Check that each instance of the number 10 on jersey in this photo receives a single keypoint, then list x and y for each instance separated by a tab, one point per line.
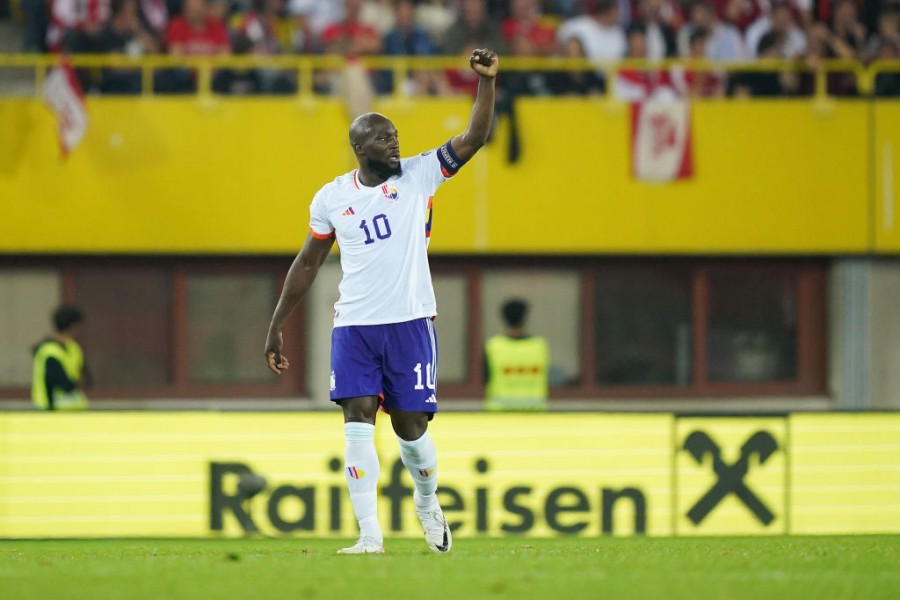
429	377
382	228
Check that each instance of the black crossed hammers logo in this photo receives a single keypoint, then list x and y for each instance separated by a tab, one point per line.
730	478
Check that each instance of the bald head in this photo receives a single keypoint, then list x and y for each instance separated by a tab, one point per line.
363	126
376	144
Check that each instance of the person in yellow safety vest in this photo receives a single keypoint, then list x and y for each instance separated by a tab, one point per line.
516	364
59	375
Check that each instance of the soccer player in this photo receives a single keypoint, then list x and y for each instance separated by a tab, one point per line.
383	342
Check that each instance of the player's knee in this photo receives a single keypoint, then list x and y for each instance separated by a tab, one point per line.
409	426
359	410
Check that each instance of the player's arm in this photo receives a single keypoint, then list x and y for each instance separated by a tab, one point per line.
300	277
466	144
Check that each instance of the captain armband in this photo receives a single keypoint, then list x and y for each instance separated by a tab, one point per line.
450	163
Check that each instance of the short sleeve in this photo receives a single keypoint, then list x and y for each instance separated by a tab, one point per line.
436	166
320	225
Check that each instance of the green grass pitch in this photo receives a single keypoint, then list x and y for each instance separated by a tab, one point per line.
864	567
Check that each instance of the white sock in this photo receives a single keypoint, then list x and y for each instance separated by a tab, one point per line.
420	459
361	468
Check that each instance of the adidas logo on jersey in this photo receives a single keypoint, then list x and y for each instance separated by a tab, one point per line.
348	212
431	400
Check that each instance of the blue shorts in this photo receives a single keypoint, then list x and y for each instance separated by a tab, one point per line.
398	361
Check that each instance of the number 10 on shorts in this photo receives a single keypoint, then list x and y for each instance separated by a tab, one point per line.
429	376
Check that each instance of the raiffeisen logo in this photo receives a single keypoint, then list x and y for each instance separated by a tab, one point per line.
320	506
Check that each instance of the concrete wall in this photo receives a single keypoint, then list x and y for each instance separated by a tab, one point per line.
884	356
864	333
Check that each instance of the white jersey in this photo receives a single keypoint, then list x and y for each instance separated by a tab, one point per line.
382	233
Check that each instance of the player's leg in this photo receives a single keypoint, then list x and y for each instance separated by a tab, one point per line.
418	453
409	392
361	468
419	456
355	382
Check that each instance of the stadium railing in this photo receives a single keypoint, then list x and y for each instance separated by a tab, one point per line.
306	65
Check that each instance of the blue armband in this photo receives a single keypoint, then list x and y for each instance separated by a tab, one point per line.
450	163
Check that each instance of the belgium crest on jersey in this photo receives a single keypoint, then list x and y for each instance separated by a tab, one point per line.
390	192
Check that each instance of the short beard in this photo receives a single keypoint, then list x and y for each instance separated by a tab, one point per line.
385	171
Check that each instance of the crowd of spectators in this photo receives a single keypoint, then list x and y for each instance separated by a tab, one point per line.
736	31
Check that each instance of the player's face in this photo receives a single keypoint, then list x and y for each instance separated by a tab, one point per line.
383	148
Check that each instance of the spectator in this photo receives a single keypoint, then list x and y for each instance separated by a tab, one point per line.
350	36
74	23
660	18
698	83
885	42
258	27
780	20
580	82
378	14
35	14
564	8
123	34
599	32
724	42
408	39
526	35
848	30
517	364
473	29
257	33
221	10
760	84
436	17
637	85
823	44
318	13
154	17
60	376
740	13
303	38
527	26
196	32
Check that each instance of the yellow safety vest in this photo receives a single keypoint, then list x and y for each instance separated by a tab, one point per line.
71	358
518	370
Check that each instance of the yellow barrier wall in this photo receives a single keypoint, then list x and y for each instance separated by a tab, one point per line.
178	475
887	176
770	177
184	175
845	473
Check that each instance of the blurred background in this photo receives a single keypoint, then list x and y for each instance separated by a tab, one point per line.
761	275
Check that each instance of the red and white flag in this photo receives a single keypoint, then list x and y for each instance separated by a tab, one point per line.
661	140
63	95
